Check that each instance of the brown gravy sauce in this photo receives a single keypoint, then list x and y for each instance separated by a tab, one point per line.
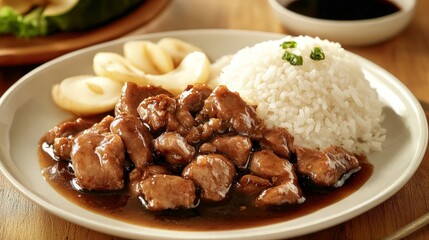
225	216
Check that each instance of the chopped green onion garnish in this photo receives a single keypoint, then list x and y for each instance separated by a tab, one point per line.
288	44
293	59
317	54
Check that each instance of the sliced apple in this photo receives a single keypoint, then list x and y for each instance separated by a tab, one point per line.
177	48
194	68
86	95
148	57
116	67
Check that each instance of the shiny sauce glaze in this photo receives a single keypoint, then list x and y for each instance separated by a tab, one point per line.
343	9
230	214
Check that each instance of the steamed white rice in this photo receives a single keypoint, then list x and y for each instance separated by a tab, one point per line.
320	102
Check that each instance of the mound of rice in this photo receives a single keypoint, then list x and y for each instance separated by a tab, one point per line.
320	102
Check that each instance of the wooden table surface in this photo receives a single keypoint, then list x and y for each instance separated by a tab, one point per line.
405	56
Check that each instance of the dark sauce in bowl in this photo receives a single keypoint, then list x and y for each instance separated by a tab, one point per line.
235	213
343	9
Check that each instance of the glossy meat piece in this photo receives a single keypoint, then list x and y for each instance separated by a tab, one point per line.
132	95
327	168
62	147
180	121
204	131
155	111
61	137
280	171
68	129
236	147
231	109
174	148
280	141
266	164
286	193
206	148
98	161
162	192
213	173
162	112
101	127
194	96
136	137
139	174
251	184
154	169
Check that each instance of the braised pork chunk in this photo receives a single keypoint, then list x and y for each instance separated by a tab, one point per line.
280	141
98	161
281	173
132	95
236	147
327	168
174	148
61	137
156	111
161	192
231	109
136	137
213	173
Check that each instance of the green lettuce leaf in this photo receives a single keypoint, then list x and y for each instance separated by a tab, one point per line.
9	20
30	25
33	24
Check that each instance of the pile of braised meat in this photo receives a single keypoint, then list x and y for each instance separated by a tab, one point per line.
175	152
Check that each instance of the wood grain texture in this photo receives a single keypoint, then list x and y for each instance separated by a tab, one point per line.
406	56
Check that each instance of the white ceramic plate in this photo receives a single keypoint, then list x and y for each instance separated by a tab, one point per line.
27	112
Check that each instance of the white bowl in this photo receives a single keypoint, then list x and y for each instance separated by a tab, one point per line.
351	33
